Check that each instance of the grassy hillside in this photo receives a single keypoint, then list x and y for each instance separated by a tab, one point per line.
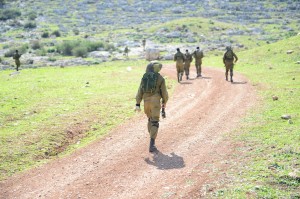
48	111
269	163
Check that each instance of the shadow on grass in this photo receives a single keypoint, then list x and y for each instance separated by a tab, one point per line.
165	162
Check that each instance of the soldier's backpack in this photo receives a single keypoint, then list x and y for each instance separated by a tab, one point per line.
149	81
199	54
229	54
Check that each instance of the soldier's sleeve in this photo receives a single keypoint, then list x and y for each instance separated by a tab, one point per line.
224	58
164	92
139	95
175	57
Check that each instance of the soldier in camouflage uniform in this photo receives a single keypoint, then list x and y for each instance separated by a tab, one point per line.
126	51
187	63
152	102
198	55
179	58
16	57
144	44
229	59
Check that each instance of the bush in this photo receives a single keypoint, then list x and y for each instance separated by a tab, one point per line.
9	14
41	52
22	49
80	51
56	33
45	35
66	47
30	25
35	45
32	16
76	31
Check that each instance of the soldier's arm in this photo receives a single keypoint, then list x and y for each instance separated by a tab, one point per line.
139	95
174	57
236	58
164	92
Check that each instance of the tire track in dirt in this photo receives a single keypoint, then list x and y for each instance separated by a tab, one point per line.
191	143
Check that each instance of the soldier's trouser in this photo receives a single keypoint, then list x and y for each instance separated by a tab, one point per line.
198	67
152	110
179	67
18	63
229	67
187	68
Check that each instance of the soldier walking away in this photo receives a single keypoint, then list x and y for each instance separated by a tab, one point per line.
126	51
179	58
16	57
198	55
187	63
144	44
154	92
229	59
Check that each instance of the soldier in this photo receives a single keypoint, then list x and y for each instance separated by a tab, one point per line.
152	89
179	58
228	59
187	63
126	51
16	57
198	55
144	44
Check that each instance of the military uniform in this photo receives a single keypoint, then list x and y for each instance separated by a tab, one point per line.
228	59
179	58
126	50
198	55
16	57
187	63
144	44
152	105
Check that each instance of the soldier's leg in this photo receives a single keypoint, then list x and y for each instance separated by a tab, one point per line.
178	72
226	73
155	112
200	70
231	72
181	71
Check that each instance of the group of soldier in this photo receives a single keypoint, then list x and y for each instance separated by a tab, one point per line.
156	98
183	62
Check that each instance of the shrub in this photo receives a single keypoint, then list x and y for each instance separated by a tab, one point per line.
76	31
41	52
45	34
22	49
30	25
56	33
35	45
66	47
9	14
80	51
32	16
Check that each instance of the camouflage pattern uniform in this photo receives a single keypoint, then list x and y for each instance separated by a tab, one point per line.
152	103
179	58
198	55
228	59
126	50
187	63
16	57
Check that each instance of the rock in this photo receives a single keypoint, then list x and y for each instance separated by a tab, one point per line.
286	117
168	57
29	61
152	54
274	98
289	52
290	121
298	62
99	54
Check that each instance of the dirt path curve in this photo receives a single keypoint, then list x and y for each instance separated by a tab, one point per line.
193	150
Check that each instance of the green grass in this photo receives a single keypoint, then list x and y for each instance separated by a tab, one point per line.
271	151
50	111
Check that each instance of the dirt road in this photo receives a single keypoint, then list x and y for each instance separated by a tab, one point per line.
192	143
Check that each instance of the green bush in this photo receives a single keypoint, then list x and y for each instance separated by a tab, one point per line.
66	47
32	16
35	45
56	33
80	51
9	14
30	25
22	49
76	31
41	52
45	34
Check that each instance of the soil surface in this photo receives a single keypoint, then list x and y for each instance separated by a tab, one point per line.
193	149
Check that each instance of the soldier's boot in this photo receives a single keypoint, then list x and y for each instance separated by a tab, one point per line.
187	77
231	79
152	147
226	76
180	76
231	74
